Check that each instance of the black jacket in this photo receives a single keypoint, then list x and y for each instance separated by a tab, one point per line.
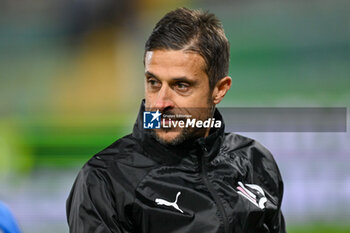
222	183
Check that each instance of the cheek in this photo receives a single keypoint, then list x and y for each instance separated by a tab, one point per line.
203	98
148	100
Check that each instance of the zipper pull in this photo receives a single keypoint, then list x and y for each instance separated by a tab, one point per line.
204	148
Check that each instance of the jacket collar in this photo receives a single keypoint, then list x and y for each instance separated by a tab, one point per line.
205	146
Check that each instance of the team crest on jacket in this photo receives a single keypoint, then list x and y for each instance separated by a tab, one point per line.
254	193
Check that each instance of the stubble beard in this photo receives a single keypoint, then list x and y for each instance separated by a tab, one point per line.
186	134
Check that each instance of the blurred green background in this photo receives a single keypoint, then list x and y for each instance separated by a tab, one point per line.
71	81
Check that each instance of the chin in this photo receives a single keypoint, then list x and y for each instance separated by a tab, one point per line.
174	137
168	137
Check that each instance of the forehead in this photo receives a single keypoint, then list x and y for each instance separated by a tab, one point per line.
174	62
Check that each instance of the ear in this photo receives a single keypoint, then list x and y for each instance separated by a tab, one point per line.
221	88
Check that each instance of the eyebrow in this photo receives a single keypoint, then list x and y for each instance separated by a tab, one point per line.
176	79
147	73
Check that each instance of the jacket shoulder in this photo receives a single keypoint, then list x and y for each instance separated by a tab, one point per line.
109	178
247	147
262	166
127	151
120	164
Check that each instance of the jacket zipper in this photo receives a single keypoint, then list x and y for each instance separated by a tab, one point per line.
212	191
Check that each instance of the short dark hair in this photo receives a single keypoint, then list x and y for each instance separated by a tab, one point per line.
194	30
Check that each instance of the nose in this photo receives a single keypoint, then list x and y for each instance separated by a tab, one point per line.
164	99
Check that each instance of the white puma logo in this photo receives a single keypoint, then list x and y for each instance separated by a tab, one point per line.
167	203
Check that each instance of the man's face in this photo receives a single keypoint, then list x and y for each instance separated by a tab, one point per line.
176	83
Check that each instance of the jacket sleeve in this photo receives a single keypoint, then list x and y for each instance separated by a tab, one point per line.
275	220
91	205
266	172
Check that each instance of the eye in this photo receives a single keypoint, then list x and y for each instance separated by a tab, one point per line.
153	83
182	86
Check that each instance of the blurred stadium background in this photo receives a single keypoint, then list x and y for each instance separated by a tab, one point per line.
71	81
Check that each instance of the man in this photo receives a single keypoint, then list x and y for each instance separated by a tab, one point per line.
186	175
